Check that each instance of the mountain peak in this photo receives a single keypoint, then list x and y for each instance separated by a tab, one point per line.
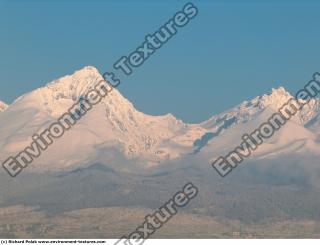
277	98
281	91
73	86
57	96
247	109
86	76
87	70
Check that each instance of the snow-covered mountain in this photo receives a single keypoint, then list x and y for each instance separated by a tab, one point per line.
114	125
249	110
296	136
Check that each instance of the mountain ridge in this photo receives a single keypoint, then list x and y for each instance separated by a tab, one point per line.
143	139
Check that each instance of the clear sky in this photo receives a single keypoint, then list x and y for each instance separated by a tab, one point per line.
232	51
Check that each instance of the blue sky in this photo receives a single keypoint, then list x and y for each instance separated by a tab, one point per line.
232	51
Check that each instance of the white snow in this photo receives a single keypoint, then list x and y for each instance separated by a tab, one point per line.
146	139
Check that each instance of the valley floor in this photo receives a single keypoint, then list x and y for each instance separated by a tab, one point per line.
114	222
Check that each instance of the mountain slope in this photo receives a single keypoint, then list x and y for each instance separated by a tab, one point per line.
3	106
